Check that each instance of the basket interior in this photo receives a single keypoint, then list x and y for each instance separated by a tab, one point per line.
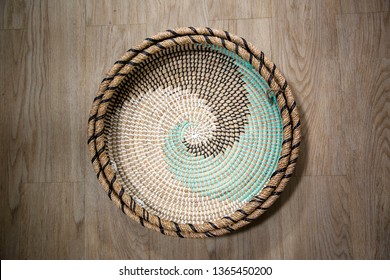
193	133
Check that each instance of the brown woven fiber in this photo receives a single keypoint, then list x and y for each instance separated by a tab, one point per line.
194	133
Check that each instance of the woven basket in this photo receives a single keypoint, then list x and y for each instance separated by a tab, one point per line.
194	133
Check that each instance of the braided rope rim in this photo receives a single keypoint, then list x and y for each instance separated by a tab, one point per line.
259	203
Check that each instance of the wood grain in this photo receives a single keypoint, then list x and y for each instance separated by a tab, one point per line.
364	6
368	95
114	12
32	120
66	114
303	53
9	199
109	234
167	14
11	94
46	90
47	223
13	14
231	9
336	57
325	220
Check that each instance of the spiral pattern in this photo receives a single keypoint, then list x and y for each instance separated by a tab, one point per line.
194	134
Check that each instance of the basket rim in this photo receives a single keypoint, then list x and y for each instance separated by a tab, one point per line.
128	62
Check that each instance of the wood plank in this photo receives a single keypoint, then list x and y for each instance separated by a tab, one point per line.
13	171
291	205
231	9
13	14
171	14
370	204
304	46
66	112
114	12
367	128
325	221
363	36
12	167
25	62
46	118
33	119
305	29
48	223
366	118
66	237
364	6
109	233
317	224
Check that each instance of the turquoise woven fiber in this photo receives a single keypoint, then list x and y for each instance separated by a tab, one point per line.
252	159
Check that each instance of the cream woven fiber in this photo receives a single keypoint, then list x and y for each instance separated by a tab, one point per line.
192	137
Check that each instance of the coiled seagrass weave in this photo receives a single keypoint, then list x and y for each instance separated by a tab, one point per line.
194	133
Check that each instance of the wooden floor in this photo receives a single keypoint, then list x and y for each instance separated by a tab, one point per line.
335	55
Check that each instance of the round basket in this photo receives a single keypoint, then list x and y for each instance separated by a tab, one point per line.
194	133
